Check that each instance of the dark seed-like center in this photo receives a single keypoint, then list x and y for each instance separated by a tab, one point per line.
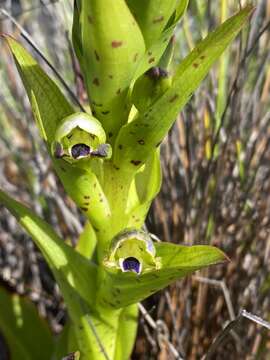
80	150
132	264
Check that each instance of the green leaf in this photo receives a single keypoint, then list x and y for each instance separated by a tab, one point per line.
181	8
151	127
156	50
94	334
112	47
154	53
152	17
50	101
76	31
127	329
65	263
147	185
76	277
85	189
87	241
27	335
61	344
50	107
122	289
148	179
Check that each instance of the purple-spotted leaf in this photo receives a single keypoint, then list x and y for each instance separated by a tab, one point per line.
155	50
152	126
174	262
152	17
112	45
153	55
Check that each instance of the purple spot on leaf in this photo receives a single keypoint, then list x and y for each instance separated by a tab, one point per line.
135	162
135	58
158	19
96	55
173	98
90	19
96	82
116	44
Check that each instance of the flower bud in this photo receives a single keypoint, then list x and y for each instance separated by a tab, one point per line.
149	87
80	136
132	251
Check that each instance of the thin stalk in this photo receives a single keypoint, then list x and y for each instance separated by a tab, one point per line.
222	72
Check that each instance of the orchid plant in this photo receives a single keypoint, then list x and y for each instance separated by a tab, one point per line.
108	161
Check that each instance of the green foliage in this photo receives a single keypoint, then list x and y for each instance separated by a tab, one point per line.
26	334
141	136
152	17
67	265
115	264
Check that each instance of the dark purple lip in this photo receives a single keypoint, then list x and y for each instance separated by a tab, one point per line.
80	150
131	264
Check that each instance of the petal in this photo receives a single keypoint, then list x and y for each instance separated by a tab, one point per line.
80	150
130	264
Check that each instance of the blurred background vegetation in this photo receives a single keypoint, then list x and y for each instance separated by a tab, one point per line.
216	165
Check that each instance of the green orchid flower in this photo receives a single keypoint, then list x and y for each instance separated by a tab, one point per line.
80	136
134	251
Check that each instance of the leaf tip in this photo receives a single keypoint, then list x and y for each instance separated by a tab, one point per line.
9	39
222	257
250	9
6	36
